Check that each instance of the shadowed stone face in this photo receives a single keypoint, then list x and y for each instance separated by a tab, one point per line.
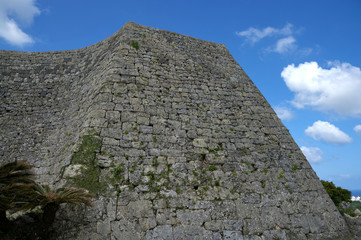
172	136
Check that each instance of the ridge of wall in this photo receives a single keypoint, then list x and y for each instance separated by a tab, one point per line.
185	145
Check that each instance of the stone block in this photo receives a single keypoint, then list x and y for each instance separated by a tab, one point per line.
128	117
232	235
73	170
193	217
234	225
147	223
110	141
136	209
125	230
113	116
104	227
163	232
146	129
141	120
182	232
199	142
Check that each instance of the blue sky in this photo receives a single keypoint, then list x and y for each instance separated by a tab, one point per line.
304	56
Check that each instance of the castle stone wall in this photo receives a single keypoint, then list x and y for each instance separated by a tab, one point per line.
179	142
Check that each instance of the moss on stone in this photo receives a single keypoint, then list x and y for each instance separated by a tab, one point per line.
86	155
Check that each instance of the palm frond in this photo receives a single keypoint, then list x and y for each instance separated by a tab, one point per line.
75	196
15	184
43	195
16	172
5	202
21	193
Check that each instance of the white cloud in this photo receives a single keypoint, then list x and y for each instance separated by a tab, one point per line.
13	14
336	89
313	154
356	199
286	44
327	132
357	128
13	34
283	113
254	35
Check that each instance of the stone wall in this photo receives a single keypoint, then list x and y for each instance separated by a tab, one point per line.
171	134
354	224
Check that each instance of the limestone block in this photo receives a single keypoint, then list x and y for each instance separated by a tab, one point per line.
125	230
98	122
147	223
232	235
163	232
234	225
193	217
110	141
128	117
146	129
358	212
355	225
119	88
168	193
190	232
73	170
166	216
225	210
275	234
136	209
199	142
316	224
143	120
214	225
114	132
252	237
113	116
103	227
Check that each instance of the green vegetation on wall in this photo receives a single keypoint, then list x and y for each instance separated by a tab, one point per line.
356	205
134	44
86	155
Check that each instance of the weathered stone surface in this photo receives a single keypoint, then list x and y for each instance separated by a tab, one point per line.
163	232
103	228
175	139
234	235
73	170
357	212
354	223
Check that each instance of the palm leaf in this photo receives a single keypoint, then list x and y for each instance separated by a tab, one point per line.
43	195
16	182
16	172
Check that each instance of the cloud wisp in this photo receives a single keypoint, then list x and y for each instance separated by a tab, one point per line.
313	154
327	132
254	35
286	44
13	15
336	89
285	40
284	113
357	129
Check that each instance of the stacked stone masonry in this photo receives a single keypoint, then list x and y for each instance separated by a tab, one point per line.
179	141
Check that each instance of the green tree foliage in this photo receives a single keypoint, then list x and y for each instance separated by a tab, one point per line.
337	194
